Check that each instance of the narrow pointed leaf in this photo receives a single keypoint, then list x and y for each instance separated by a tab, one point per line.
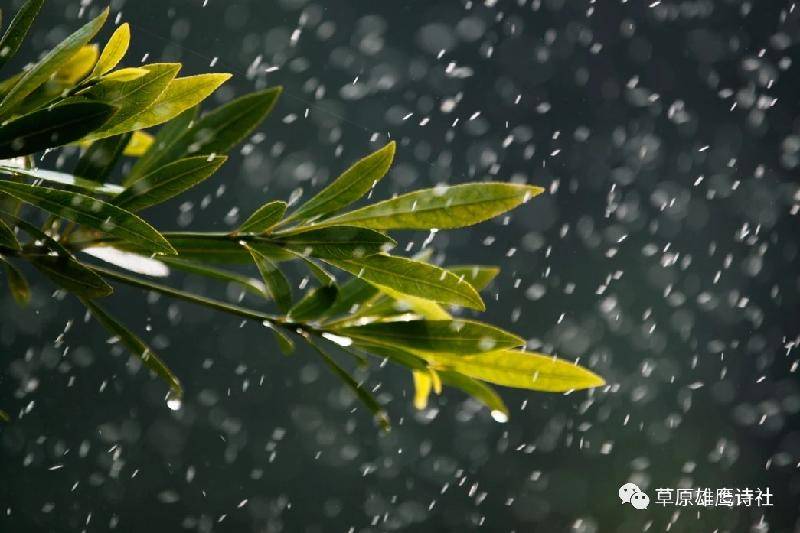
166	136
58	264
441	207
62	179
216	132
17	284
54	59
361	393
351	294
285	344
50	127
513	368
339	242
277	284
313	304
17	29
434	336
478	276
181	94
99	159
114	50
168	182
7	237
324	277
263	218
214	273
401	357
354	183
94	213
136	346
132	97
413	278
126	74
480	391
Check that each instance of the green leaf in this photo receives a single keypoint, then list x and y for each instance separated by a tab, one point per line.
263	218
277	284
439	208
94	213
7	237
401	357
434	336
351	294
62	179
478	276
214	273
216	132
132	96
324	277
339	242
114	50
135	345
62	268
413	278
99	159
215	248
17	29
52	126
17	284
362	394
354	183
168	182
285	344
4	416
480	391
313	304
54	59
181	94
513	368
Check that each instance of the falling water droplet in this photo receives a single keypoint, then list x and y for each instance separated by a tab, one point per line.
499	416
174	401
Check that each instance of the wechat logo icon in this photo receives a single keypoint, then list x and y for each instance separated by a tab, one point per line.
631	493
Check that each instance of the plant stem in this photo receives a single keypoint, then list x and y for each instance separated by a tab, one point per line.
236	310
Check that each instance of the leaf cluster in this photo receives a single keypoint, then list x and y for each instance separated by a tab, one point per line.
363	300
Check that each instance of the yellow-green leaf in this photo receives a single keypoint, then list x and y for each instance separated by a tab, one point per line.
181	94
434	337
413	278
17	29
422	388
140	142
263	218
476	275
168	182
114	50
513	368
78	66
92	212
49	64
131	96
62	178
126	74
354	183
439	208
136	346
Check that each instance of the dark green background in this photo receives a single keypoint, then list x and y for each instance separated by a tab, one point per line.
618	101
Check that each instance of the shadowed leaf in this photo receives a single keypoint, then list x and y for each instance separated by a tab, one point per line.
99	159
313	304
17	284
339	242
94	213
277	284
51	127
17	29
